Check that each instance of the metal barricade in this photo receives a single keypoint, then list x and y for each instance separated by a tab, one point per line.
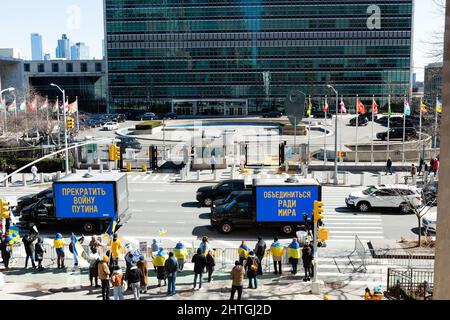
410	284
361	253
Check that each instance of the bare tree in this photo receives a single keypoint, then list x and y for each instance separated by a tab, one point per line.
435	42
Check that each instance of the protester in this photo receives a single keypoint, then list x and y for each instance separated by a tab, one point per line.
34	171
199	261
435	166
243	252
210	264
180	253
307	262
260	250
294	255
39	251
59	244
128	260
277	252
389	166
135	280
117	281
5	249
116	249
204	245
421	167
142	265
28	243
251	266
103	274
154	250
237	277
159	263
95	243
94	260
171	268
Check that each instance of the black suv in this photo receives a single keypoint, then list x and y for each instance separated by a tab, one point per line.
207	195
273	114
131	143
321	114
362	121
397	133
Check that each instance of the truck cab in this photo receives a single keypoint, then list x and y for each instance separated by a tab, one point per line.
207	195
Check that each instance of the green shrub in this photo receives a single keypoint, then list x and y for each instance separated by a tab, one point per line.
45	166
147	125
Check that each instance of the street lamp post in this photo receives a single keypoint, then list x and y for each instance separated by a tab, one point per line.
336	182
5	128
65	127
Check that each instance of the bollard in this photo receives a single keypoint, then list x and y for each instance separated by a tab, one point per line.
42	177
101	167
144	167
425	176
215	175
89	169
286	166
128	166
6	182
414	180
379	179
198	175
363	177
396	178
232	172
313	174
328	177
345	178
24	179
58	175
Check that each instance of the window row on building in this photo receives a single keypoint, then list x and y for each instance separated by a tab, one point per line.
56	67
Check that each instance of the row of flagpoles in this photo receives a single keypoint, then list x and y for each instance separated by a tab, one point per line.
70	108
361	109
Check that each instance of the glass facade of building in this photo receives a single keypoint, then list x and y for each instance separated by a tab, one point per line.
257	50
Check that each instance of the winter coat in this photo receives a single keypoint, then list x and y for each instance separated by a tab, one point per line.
39	251
116	249
103	271
171	266
142	265
307	256
210	262
199	261
117	279
277	251
260	248
135	275
28	244
237	276
251	273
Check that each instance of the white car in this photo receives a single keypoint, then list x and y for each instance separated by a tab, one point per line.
110	126
429	220
385	196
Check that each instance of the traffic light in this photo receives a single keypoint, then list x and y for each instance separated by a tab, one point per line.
318	210
323	234
114	153
4	209
70	123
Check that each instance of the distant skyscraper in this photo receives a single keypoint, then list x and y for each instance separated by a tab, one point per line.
80	51
63	49
36	46
47	56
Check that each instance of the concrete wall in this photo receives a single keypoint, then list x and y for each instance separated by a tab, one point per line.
11	74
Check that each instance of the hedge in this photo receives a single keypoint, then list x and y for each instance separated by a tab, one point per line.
147	125
45	166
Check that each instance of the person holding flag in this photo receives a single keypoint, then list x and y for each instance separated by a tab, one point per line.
243	252
180	253
59	244
294	254
277	252
159	262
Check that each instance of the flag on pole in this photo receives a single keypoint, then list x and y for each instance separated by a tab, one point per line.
407	108
360	108
73	107
2	105
342	106
45	105
32	106
309	107
438	105
12	106
325	106
423	106
374	106
23	106
56	106
162	231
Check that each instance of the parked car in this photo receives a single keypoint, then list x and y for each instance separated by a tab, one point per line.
395	122
362	121
321	114
273	114
118	117
148	116
27	200
207	195
110	126
93	122
130	143
429	221
170	115
430	193
385	196
397	133
369	116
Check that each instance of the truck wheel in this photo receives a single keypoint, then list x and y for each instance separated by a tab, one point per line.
88	227
226	227
208	202
287	229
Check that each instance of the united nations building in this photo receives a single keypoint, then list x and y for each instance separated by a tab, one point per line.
234	57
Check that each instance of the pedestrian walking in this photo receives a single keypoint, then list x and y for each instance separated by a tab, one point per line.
171	268
432	164
180	253
116	249
199	261
213	164
237	277
277	252
135	280
159	263
435	167
421	166
389	166
204	245
94	260
103	274
251	267
59	244
34	171
413	171
294	255
260	251
6	250
9	170
307	262
28	243
117	283
39	251
243	252
142	265
210	264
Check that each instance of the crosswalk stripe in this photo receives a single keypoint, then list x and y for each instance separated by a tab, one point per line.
338	232
146	177
352	237
358	227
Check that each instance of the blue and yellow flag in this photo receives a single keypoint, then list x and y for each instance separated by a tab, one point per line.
180	251
160	258
243	251
294	250
276	249
162	231
438	106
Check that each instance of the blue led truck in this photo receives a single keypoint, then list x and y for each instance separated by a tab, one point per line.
271	203
90	201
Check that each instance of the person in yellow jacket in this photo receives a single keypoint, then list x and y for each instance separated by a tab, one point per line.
58	244
243	252
159	262
180	253
294	255
277	252
116	249
377	294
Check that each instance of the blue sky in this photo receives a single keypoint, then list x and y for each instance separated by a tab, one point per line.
51	18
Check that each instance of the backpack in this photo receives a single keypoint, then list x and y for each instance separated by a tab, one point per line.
254	266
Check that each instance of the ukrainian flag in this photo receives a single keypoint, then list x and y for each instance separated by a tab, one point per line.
180	251
162	231
243	251
14	233
78	251
294	250
58	243
160	258
276	249
111	228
